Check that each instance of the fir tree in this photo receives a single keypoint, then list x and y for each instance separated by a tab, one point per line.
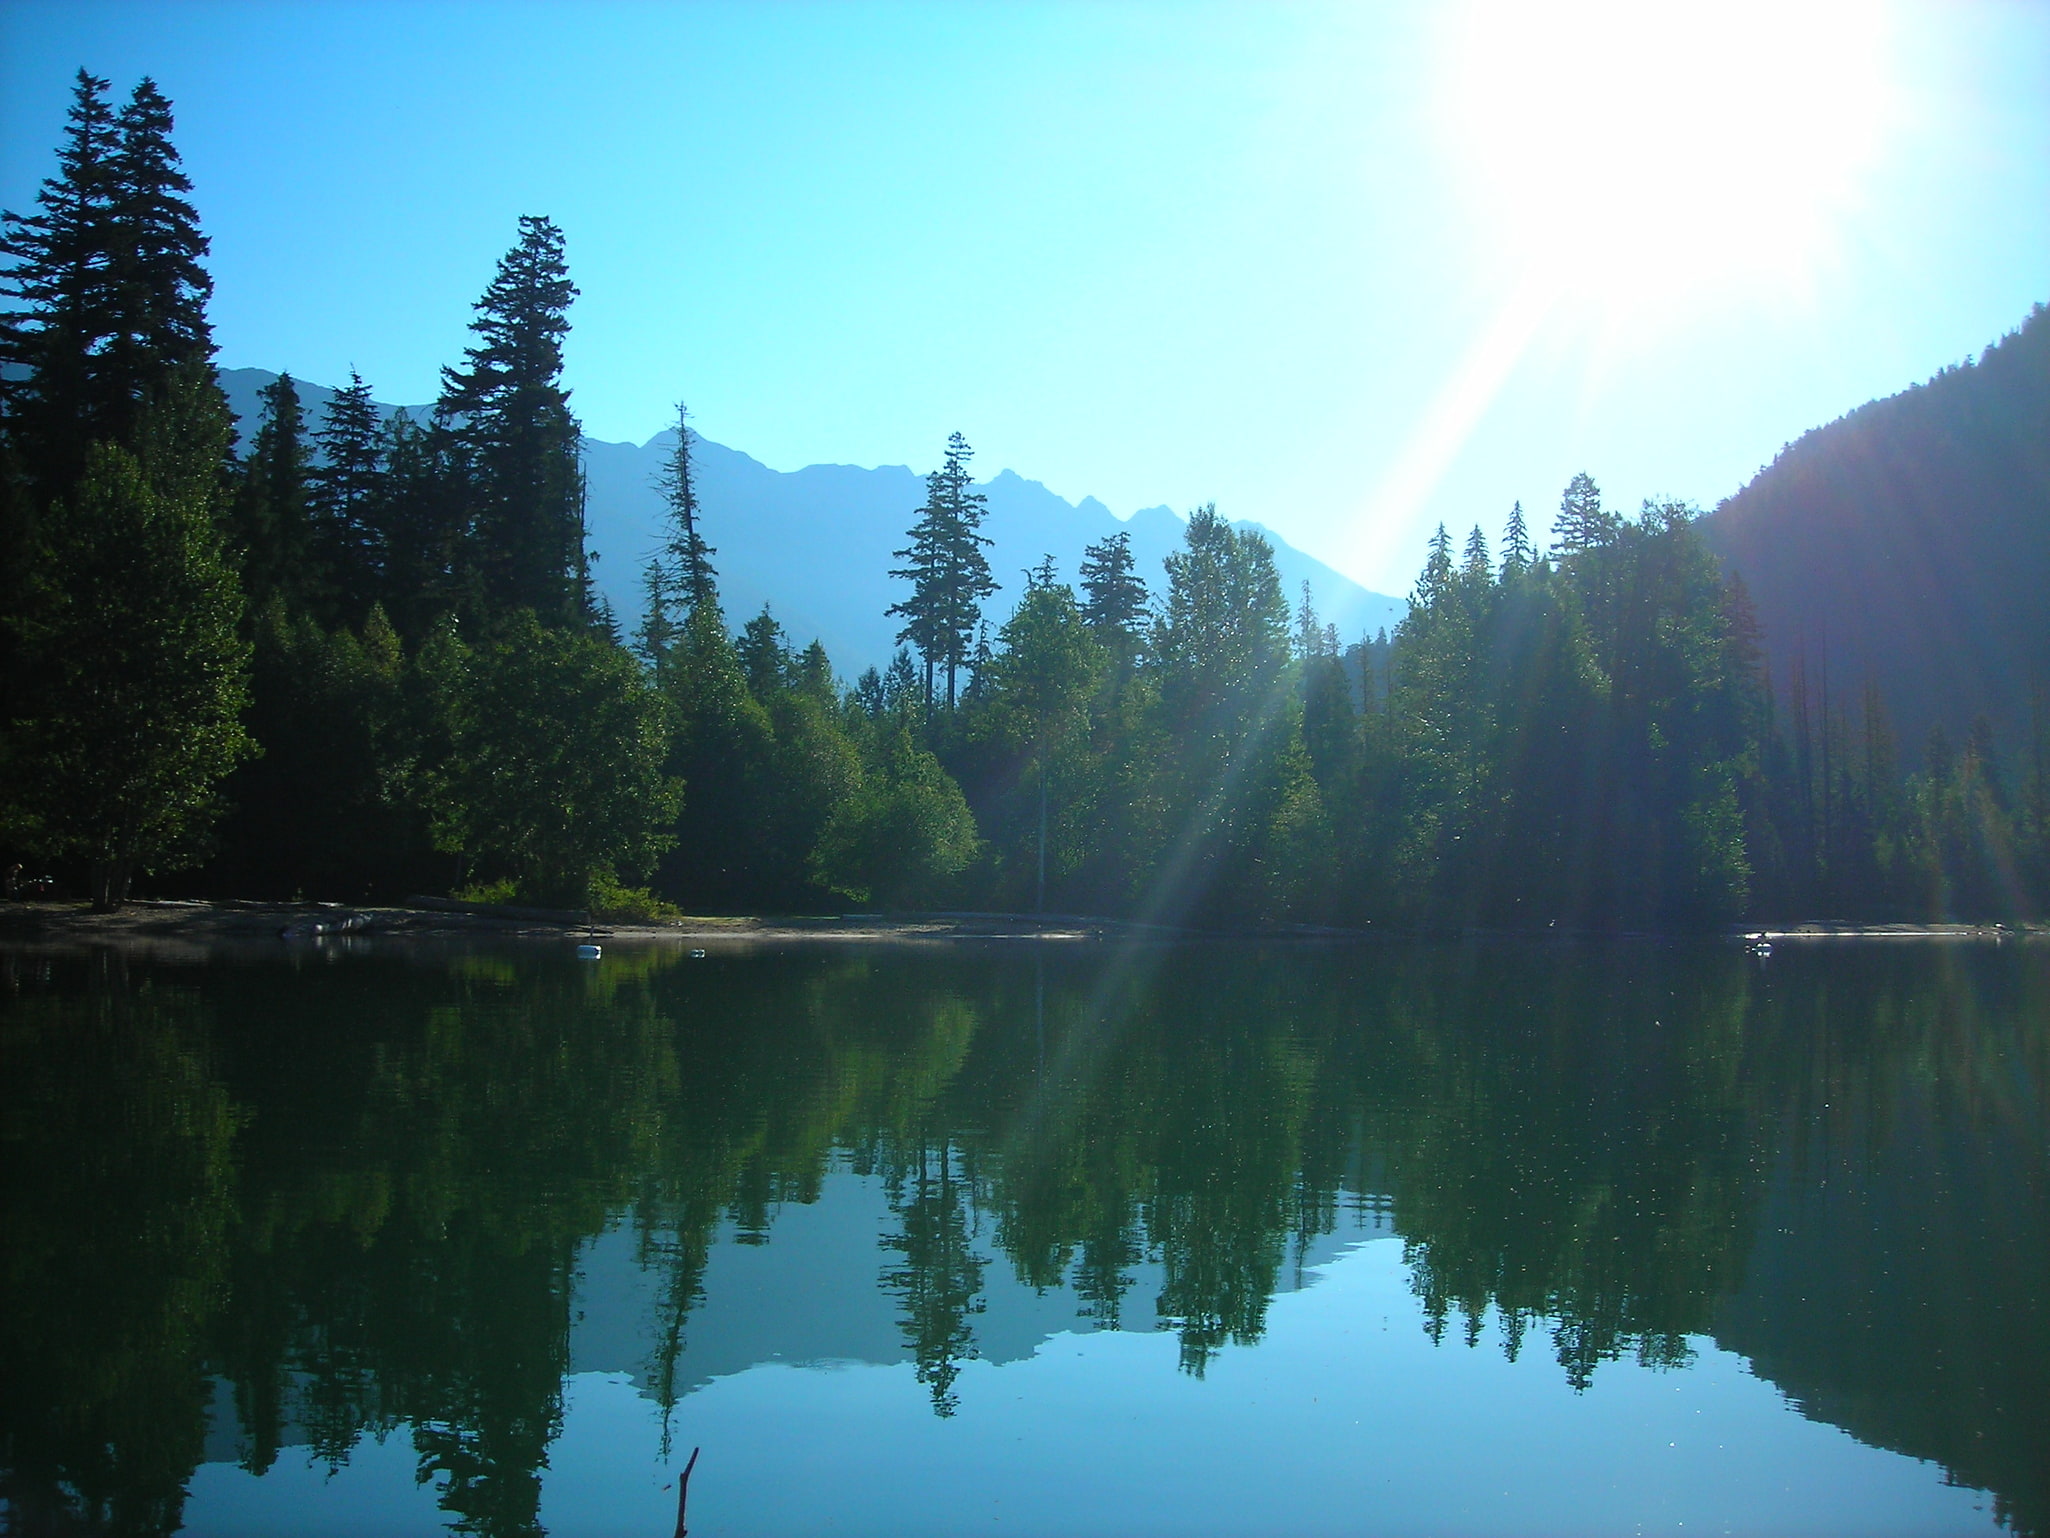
658	631
764	658
1477	570
1308	640
348	483
688	558
947	569
1583	523
1518	554
1116	598
272	506
160	286
421	516
521	443
61	273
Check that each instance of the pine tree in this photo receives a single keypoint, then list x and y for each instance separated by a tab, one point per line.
421	516
687	556
160	287
1583	523
1308	641
947	569
656	637
764	658
61	274
1478	570
348	483
1116	599
524	546
272	510
1518	555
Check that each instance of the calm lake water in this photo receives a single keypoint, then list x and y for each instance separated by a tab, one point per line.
374	1237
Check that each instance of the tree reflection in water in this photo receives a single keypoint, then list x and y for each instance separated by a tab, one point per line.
357	1192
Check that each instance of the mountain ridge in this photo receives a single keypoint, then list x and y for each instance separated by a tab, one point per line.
1908	543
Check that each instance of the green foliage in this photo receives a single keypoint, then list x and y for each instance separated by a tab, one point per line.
554	764
948	572
686	561
350	499
1584	737
330	810
902	834
511	423
142	677
1117	599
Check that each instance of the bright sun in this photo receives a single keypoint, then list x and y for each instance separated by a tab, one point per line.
1634	154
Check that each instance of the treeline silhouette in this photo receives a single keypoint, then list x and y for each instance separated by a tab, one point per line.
1906	544
363	658
374	1220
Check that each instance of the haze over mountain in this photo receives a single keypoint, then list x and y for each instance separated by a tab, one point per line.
1909	542
816	544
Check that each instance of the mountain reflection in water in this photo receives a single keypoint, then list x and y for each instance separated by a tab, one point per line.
254	1203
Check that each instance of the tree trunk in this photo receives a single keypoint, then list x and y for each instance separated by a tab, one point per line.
109	880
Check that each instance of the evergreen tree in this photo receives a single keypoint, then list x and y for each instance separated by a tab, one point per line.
521	443
348	489
687	556
1309	630
1583	523
160	286
1478	571
1042	677
947	569
1518	554
421	516
61	274
722	748
1116	599
657	635
764	657
272	509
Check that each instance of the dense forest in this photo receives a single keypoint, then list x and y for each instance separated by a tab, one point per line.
358	658
1909	543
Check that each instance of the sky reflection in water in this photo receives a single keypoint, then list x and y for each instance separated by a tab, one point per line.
1497	1240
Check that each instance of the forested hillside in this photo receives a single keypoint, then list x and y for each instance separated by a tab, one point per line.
1908	544
359	655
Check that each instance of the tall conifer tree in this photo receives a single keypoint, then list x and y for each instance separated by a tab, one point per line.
947	569
272	505
1518	555
60	272
348	486
686	556
1116	596
160	286
511	417
1583	523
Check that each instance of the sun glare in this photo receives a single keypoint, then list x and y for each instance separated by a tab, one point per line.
1643	153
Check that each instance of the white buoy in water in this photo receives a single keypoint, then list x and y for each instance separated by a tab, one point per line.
589	952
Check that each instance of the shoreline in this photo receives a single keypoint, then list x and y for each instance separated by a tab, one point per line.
296	924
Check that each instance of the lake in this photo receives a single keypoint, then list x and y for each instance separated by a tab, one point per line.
369	1236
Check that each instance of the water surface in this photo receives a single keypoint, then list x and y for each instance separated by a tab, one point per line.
374	1237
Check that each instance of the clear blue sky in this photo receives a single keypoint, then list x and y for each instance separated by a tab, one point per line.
1345	270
